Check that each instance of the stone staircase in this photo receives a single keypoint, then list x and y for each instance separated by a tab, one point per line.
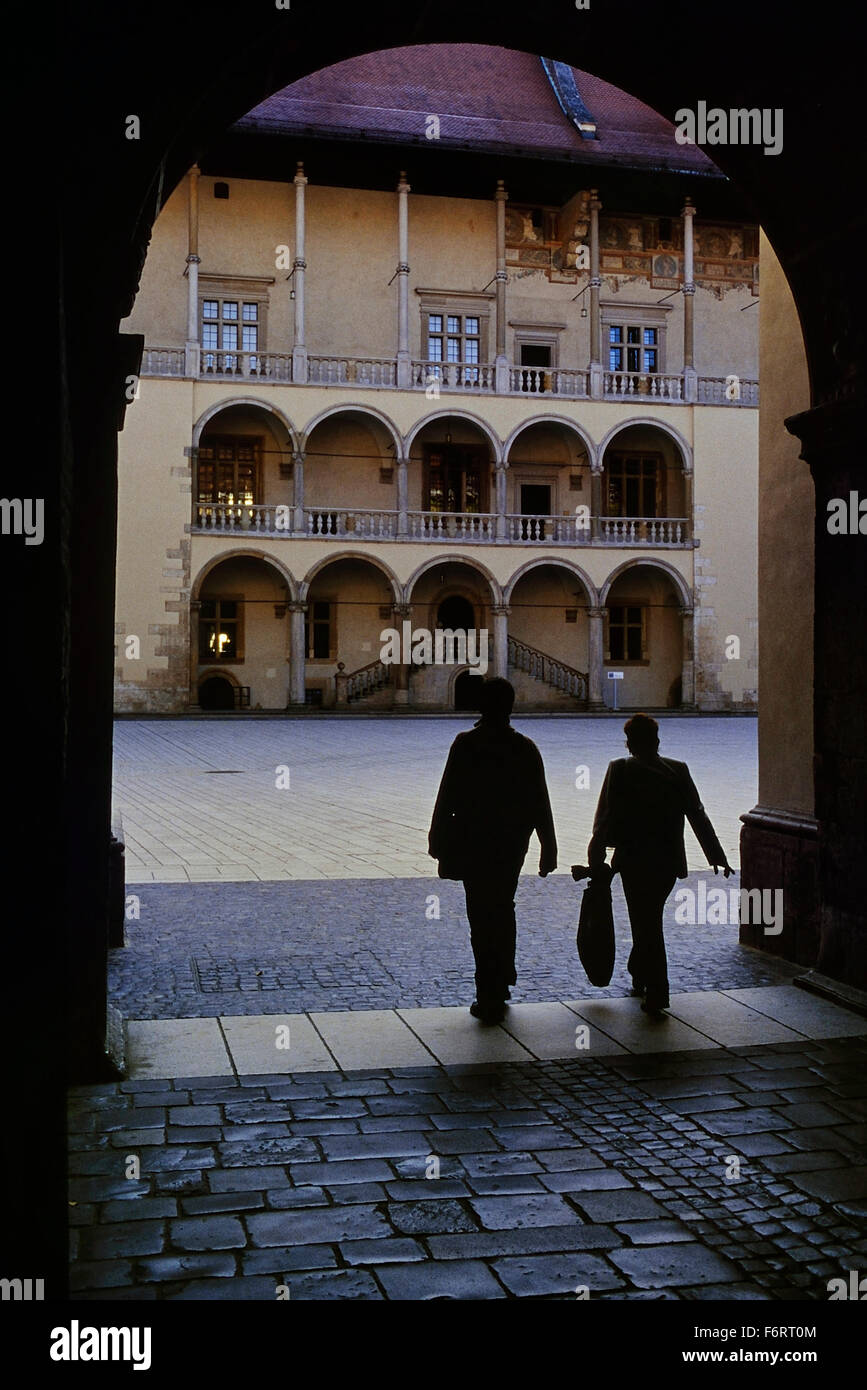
529	669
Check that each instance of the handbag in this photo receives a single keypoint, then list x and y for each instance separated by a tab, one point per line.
595	936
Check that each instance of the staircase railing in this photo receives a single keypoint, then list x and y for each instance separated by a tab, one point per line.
546	668
356	685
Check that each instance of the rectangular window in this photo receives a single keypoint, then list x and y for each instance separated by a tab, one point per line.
633	348
634	485
219	630
319	630
455	480
230	325
459	343
626	632
229	469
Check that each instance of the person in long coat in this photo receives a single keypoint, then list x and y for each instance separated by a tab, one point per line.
641	810
493	795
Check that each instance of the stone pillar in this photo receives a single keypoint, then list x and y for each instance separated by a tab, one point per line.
687	673
299	524
688	502
595	500
595	657
191	349
404	370
402	498
501	500
500	613
596	365
501	363
341	681
195	608
297	655
299	265
832	443
401	612
690	376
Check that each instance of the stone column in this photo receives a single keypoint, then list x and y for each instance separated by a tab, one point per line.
297	656
500	613
596	365
688	502
501	487
401	612
299	265
195	608
299	525
191	349
595	657
687	675
690	376
596	479
402	499
501	363
404	371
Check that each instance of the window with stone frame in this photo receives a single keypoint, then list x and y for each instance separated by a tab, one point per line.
221	629
454	334
633	348
455	479
232	323
626	632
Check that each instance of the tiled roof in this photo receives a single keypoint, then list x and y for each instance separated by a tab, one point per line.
486	98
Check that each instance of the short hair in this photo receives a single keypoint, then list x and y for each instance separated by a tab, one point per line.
642	732
496	697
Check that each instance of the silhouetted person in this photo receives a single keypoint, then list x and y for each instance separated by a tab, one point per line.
492	797
641	810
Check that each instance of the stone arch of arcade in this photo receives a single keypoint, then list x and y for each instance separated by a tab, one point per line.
242	597
643	480
343	450
182	110
649	602
346	600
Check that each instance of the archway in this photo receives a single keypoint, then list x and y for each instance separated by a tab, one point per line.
216	693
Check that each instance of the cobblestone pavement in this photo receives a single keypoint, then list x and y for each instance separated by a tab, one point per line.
731	1174
199	798
253	948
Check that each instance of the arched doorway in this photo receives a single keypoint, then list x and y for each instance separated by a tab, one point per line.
465	691
456	612
216	693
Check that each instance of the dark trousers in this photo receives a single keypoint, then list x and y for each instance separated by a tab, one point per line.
646	887
490	899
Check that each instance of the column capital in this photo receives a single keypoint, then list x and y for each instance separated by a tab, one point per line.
595	204
594	611
403	186
403	268
193	259
195	605
597	467
402	610
300	176
501	465
501	193
688	209
688	289
500	610
296	606
686	612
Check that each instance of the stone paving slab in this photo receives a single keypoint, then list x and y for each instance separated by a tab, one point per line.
623	1020
733	1022
557	1175
259	1044
379	1038
804	1013
550	1030
453	1035
169	1047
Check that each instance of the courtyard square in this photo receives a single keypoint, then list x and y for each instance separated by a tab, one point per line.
200	799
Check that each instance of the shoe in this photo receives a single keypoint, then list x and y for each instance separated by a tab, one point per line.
638	991
656	1006
496	1014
